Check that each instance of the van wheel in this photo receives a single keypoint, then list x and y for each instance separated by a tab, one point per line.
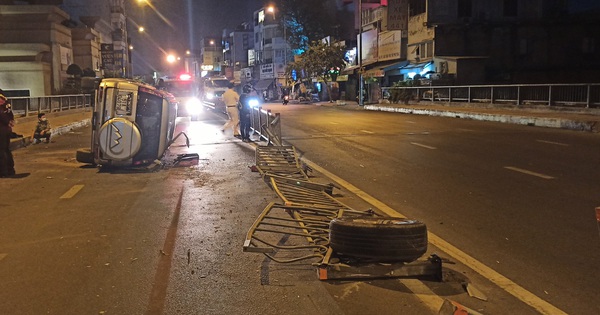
383	239
84	156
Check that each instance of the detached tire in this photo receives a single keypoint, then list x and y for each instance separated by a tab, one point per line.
84	156
384	239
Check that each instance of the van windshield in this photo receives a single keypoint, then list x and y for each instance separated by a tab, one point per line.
217	83
180	88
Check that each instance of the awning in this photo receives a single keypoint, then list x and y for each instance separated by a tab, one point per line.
382	65
396	65
349	70
417	65
263	84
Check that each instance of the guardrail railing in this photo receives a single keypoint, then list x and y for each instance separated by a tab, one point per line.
267	125
25	106
564	95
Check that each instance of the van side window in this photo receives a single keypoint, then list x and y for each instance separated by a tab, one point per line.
124	103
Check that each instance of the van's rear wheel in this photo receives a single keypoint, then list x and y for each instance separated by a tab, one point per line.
383	239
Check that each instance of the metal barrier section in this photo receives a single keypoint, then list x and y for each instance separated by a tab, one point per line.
267	125
299	229
26	106
279	160
295	192
297	226
554	95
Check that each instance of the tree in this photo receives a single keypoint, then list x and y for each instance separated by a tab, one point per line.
306	21
321	61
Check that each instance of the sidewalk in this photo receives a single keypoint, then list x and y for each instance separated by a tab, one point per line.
60	122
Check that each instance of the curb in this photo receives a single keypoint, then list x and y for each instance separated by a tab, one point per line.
561	123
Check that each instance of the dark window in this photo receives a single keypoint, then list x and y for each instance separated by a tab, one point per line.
588	45
464	8
511	7
148	118
416	7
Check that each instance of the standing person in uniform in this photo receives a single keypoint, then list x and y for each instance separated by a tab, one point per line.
7	120
231	99
42	130
245	110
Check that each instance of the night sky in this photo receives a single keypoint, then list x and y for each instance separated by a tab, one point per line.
185	28
207	18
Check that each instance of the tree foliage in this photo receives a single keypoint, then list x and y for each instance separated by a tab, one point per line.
321	61
307	21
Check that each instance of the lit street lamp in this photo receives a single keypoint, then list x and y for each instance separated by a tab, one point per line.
171	58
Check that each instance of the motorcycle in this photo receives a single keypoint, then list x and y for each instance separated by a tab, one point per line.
286	99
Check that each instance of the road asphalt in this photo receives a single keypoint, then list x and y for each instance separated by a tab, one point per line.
579	119
586	120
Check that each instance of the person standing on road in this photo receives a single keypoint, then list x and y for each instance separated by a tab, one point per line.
245	110
7	120
231	99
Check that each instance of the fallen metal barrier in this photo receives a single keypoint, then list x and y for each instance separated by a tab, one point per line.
304	193
277	221
279	160
300	229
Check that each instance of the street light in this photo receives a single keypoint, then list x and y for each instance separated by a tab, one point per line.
171	58
271	9
360	43
141	29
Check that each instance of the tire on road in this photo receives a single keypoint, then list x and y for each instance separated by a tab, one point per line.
383	239
84	156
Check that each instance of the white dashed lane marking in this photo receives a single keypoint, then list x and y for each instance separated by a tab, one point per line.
367	131
520	170
423	145
552	142
71	192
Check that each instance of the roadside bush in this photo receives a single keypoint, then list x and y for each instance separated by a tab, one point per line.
400	93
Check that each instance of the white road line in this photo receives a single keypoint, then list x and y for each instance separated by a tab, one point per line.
552	142
410	122
334	123
2	256
501	281
520	170
429	298
423	146
71	192
367	131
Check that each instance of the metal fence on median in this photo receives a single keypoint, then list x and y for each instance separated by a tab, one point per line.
267	125
25	106
558	95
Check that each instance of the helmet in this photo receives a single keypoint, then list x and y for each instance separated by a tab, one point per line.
247	89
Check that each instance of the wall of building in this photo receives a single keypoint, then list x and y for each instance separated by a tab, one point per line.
37	24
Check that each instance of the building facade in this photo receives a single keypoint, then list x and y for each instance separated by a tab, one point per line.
40	42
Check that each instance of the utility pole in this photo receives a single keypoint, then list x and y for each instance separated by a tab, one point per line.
360	70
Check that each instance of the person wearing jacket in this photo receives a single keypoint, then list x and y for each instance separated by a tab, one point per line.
42	130
7	119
